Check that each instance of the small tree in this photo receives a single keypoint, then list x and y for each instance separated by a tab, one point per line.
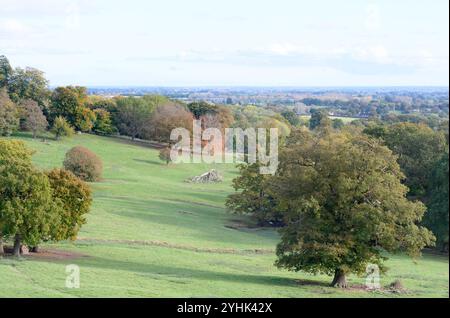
33	117
338	123
76	198
164	155
61	128
84	164
319	119
345	204
291	117
9	115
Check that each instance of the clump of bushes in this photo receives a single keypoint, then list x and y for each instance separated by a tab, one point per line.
84	164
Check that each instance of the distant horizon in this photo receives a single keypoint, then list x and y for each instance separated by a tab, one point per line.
257	86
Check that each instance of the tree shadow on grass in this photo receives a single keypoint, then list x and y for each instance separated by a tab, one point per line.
152	162
180	272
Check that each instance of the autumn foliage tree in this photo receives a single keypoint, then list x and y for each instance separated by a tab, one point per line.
33	117
84	164
165	119
345	205
85	119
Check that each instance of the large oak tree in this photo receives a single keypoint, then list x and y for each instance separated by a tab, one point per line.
346	205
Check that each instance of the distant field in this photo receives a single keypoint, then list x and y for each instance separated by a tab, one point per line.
150	234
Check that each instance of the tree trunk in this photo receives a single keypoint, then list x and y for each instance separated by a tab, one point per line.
17	244
2	250
339	280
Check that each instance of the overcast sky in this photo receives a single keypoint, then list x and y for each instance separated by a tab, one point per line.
232	42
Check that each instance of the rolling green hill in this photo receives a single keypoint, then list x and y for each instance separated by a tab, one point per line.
150	234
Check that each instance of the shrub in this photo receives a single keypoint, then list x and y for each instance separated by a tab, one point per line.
84	164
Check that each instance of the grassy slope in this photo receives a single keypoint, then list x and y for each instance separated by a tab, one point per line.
151	234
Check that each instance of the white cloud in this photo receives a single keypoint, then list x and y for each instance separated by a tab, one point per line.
42	7
372	20
377	54
13	26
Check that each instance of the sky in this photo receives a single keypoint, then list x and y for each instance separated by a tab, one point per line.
230	43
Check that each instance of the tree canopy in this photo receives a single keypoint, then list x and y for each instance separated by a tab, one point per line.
345	204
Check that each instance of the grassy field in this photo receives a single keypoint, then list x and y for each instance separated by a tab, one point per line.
150	234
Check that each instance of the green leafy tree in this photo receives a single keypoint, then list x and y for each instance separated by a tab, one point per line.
61	128
418	148
252	197
338	123
436	219
29	83
103	124
5	71
75	197
27	208
9	115
68	102
291	117
319	118
134	115
345	205
199	109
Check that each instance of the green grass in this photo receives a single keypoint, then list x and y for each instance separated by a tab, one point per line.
150	234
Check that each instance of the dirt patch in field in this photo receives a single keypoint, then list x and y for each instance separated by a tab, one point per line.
243	225
309	282
394	288
54	254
